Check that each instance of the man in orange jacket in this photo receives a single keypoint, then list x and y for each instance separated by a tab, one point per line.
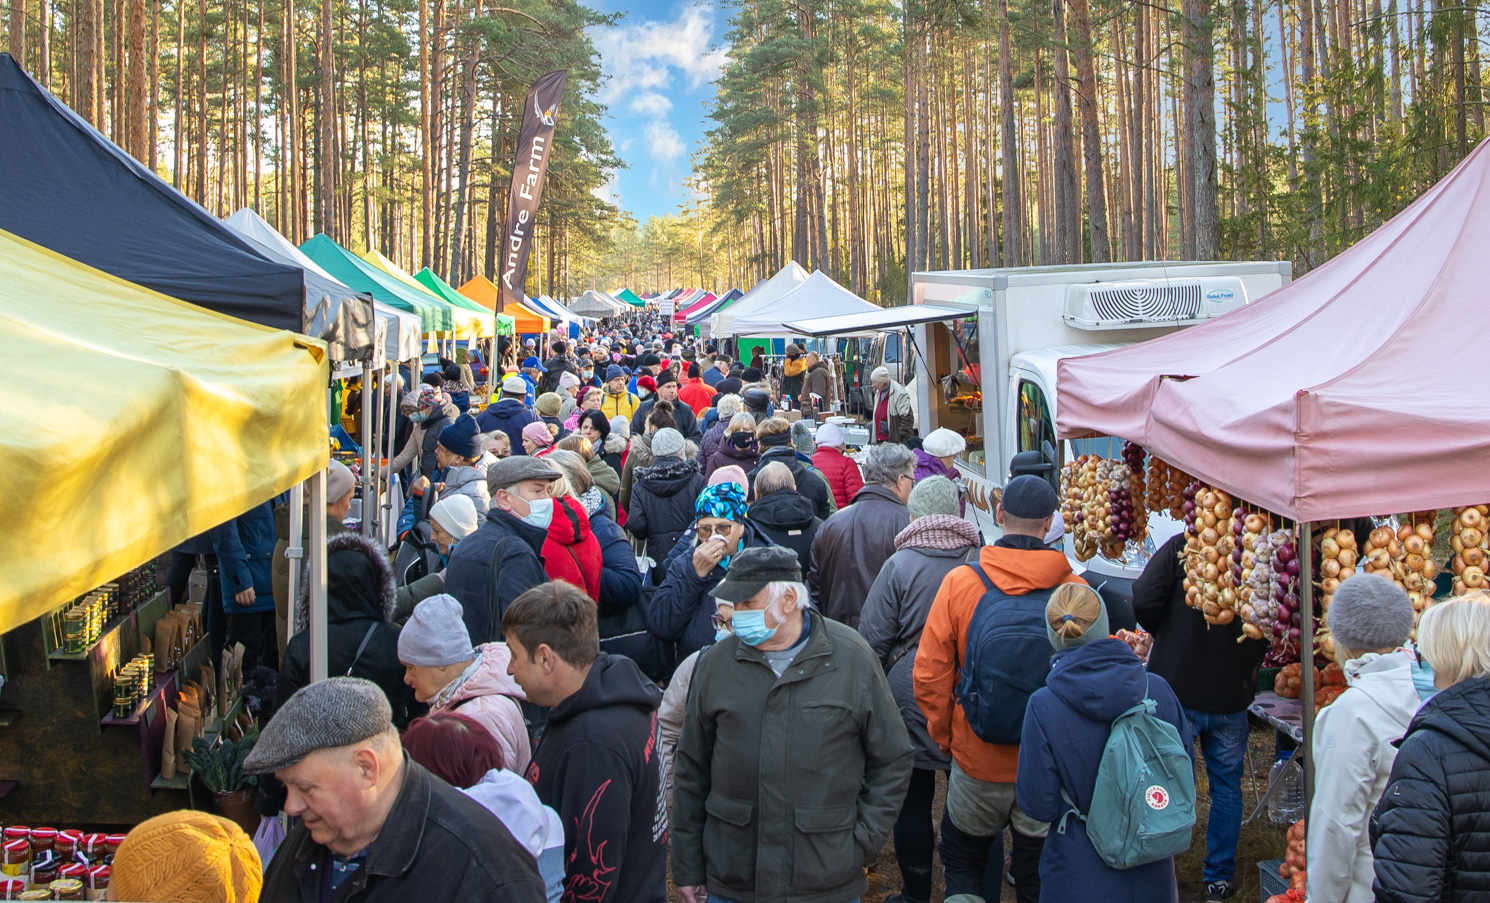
695	392
980	790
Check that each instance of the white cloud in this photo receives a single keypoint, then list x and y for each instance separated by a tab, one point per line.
663	141
641	57
650	103
609	191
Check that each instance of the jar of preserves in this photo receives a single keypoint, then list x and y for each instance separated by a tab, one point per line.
43	840
98	881
67	843
67	889
74	630
18	832
10	888
15	858
44	868
73	870
111	845
36	893
93	847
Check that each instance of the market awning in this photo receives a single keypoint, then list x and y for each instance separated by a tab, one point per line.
882	320
627	296
1328	398
764	293
595	304
174	419
68	188
361	275
327	300
465	324
485	292
437	286
819	294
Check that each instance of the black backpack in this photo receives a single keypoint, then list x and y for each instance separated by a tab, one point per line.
1006	659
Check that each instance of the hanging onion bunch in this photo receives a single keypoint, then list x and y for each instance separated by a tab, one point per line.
1253	570
1071	493
1210	583
1138	527
1338	555
1090	516
1404	555
1469	542
1157	482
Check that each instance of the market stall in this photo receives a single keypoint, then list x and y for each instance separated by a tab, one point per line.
468	325
485	292
627	296
359	274
1307	428
767	292
181	419
594	304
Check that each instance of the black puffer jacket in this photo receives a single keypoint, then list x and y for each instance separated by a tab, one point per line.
661	504
360	597
811	483
788	520
1430	833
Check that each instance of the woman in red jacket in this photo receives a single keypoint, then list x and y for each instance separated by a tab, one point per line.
841	470
571	552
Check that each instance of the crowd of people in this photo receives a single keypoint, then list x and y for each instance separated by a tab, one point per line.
647	620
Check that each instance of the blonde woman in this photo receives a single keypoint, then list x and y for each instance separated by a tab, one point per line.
739	446
1430	833
1093	679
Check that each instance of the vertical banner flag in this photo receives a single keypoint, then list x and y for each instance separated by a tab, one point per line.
535	144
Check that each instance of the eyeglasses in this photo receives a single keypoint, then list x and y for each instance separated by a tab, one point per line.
719	623
711	532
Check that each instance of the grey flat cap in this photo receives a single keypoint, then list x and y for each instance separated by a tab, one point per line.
514	470
329	713
753	569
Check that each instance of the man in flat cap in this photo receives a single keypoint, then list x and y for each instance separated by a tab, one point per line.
501	560
794	759
1013	577
373	825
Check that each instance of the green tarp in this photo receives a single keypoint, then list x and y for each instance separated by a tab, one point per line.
629	297
359	274
505	325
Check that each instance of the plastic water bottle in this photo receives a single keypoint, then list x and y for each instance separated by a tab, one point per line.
1286	804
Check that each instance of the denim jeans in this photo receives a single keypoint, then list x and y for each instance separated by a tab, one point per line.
1223	743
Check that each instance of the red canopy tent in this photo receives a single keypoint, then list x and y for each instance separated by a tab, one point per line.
704	301
1335	396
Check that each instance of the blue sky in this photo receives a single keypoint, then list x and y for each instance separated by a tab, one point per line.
661	62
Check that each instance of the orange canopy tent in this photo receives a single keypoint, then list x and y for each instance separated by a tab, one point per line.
484	292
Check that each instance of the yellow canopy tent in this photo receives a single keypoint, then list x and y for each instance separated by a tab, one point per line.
468	323
484	292
174	419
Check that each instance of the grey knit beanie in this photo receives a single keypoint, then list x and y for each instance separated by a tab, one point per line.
667	443
802	439
1369	612
435	635
933	495
329	713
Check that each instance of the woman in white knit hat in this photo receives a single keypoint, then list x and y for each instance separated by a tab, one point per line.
451	519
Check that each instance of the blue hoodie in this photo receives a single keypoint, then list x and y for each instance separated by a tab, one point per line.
1065	729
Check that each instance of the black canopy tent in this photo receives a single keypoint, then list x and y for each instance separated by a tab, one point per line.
69	188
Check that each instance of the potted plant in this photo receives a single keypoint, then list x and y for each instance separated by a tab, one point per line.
219	765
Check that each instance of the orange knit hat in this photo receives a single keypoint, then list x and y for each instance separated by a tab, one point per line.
187	856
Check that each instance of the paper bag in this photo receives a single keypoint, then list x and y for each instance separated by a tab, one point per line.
168	746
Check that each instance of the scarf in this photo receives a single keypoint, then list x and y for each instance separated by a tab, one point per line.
593	500
442	699
946	532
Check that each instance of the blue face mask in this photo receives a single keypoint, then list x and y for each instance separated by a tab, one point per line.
722	634
419	416
750	626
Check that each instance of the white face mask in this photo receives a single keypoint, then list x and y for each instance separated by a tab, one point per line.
540	513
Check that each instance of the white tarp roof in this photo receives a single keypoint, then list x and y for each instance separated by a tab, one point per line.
594	304
786	279
818	297
398	332
878	320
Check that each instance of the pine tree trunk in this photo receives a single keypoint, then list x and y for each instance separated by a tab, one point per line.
1091	134
1200	116
136	74
1067	197
18	31
1013	252
326	200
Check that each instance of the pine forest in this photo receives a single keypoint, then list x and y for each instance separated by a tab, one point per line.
866	138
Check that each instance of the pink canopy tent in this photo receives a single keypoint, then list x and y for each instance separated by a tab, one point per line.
704	300
1334	396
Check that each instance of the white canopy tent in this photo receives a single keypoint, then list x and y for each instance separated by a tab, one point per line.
818	297
398	331
768	292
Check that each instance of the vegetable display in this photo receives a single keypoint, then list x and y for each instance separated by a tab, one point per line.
1471	547
1329	683
1293	868
1210	580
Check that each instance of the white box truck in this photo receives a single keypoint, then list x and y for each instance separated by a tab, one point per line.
984	348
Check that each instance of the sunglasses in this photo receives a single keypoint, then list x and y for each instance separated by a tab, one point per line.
710	532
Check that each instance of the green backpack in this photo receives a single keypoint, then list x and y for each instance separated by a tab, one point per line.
1143	805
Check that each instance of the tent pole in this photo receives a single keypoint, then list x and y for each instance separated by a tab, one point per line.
369	479
1306	651
317	577
386	519
296	552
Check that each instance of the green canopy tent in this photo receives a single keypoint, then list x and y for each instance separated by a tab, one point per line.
363	276
628	296
506	325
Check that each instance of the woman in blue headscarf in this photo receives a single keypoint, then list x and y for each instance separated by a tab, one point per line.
683	608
